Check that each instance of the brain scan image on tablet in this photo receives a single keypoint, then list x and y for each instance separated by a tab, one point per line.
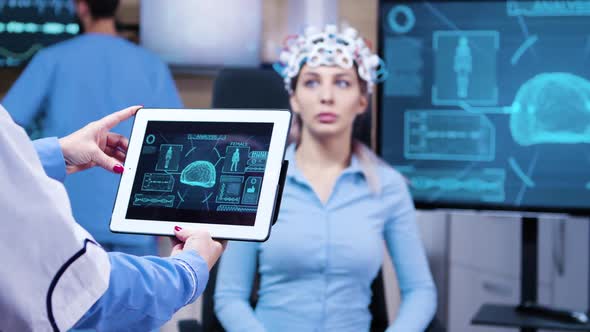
200	172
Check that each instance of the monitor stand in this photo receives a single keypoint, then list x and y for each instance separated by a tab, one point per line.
529	315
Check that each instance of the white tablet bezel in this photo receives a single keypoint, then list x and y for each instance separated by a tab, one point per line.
281	120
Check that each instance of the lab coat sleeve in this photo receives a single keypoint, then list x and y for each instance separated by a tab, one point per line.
52	158
144	292
53	272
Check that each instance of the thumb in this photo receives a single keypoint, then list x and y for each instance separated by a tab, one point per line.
108	163
181	234
184	234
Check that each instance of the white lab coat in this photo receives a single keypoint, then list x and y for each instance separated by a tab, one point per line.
51	273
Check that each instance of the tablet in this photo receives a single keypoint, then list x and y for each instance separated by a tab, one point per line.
216	169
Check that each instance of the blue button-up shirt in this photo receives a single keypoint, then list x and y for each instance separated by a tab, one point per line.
317	267
82	80
143	292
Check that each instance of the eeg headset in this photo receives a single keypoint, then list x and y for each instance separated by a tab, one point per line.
330	48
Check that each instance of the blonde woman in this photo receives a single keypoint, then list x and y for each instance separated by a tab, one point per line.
340	203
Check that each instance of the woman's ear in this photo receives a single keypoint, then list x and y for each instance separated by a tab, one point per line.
295	107
363	103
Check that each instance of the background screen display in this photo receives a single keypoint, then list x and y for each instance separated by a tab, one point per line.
26	26
487	104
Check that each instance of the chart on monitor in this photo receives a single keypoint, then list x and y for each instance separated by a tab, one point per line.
26	26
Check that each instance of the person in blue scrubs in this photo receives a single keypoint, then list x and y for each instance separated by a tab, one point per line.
81	80
340	204
58	276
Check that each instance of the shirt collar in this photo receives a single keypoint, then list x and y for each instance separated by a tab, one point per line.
294	173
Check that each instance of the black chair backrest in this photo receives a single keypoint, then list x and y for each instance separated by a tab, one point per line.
249	88
264	88
209	320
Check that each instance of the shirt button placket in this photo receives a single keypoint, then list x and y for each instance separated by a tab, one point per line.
324	264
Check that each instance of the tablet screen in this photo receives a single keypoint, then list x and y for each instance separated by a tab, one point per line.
203	172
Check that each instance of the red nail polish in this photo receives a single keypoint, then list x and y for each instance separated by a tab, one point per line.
118	169
178	228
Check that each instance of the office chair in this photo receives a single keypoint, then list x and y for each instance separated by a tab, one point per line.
264	88
249	88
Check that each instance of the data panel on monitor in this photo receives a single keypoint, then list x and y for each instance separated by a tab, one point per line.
26	26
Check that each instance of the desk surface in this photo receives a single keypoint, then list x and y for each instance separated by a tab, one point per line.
507	316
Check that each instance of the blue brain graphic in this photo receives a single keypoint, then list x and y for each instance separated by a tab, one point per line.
199	174
552	108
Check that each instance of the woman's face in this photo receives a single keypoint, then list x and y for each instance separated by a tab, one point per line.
328	99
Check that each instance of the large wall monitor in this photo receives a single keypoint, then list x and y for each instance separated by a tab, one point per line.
487	105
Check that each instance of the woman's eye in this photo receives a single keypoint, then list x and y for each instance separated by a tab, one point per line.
342	83
311	83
